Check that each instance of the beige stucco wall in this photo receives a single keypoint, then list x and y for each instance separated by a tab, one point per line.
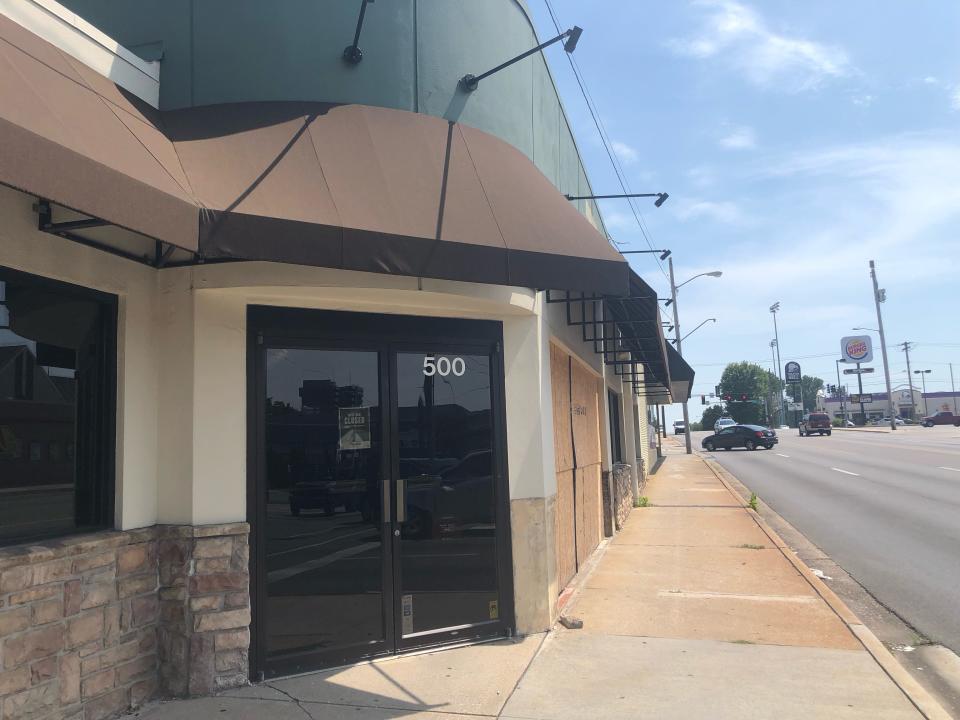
23	247
182	356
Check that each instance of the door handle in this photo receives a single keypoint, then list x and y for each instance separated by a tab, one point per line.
385	507
401	500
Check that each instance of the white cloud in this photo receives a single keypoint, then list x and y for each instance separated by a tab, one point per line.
724	212
742	138
931	80
702	176
736	33
627	154
955	98
863	100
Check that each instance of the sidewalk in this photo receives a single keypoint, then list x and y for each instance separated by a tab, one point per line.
694	611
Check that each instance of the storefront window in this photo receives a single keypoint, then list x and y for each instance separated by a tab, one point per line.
57	390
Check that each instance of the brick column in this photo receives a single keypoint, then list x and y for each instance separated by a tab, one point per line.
204	635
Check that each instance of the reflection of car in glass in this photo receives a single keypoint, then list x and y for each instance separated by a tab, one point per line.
457	498
746	436
328	495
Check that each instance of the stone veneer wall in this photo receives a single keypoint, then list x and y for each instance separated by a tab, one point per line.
204	608
87	622
623	499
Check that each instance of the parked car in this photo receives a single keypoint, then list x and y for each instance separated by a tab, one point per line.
886	421
815	424
944	417
679	427
723	422
749	437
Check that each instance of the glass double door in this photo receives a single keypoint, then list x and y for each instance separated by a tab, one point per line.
379	527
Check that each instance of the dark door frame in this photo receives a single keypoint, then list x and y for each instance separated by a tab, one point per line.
389	334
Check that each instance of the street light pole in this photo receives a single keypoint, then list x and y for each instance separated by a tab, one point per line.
878	297
776	335
913	402
923	379
676	329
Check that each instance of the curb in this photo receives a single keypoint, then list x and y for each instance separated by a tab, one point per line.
918	696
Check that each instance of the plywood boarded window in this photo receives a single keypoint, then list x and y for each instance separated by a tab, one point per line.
577	450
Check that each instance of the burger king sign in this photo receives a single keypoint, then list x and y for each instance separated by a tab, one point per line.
857	349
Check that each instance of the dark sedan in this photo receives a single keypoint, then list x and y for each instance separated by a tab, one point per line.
746	436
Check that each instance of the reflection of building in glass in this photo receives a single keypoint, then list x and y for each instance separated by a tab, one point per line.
36	422
319	395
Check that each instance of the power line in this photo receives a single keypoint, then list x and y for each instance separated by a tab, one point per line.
605	140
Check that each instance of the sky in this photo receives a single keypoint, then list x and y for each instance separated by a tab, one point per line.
798	141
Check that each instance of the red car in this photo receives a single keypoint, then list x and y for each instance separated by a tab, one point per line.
941	418
815	424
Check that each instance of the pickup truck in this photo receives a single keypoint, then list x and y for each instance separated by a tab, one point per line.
944	417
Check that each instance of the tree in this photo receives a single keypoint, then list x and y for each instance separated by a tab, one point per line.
760	387
710	416
810	386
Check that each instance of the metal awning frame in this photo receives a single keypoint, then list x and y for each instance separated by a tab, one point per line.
614	338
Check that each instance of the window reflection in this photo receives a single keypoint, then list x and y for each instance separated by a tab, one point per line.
53	396
448	556
323	448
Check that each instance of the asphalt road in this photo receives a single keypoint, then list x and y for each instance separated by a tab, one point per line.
884	506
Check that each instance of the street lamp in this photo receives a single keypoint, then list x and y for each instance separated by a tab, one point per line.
674	341
923	378
867	329
774	309
679	340
469	83
712	273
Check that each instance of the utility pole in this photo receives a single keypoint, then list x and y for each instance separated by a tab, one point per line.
676	327
776	336
953	390
913	402
880	296
843	410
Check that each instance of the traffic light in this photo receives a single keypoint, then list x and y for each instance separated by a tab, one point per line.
703	399
717	391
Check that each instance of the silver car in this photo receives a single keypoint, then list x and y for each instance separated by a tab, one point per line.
722	423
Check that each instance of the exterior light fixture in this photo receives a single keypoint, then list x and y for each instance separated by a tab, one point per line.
352	53
469	83
664	254
661	197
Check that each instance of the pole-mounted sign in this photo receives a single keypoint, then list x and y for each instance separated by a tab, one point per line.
792	372
857	349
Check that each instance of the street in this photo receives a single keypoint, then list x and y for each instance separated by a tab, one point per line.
884	506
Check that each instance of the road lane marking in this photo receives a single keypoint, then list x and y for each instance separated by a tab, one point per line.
845	472
943	467
782	455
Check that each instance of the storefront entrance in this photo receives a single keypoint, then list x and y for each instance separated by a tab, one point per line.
378	490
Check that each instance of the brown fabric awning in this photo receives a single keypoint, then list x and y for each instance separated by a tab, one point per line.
348	186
